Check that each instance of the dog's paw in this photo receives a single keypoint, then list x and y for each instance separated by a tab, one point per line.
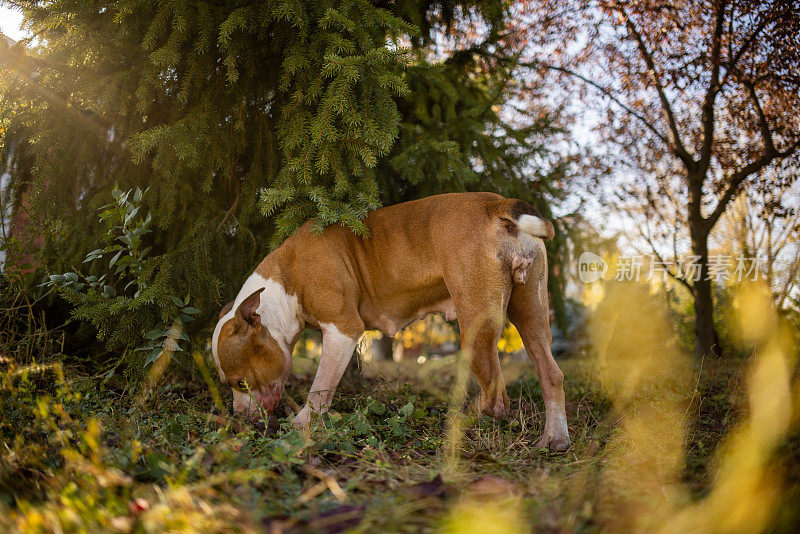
302	419
557	443
497	410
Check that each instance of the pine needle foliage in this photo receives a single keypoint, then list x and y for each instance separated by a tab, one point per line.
120	303
243	119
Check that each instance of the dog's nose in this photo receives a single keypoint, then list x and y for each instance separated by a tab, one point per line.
253	403
270	396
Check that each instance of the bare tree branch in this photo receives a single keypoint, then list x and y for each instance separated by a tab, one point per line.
769	154
790	279
673	275
604	91
677	206
676	144
763	124
785	236
739	177
732	63
707	119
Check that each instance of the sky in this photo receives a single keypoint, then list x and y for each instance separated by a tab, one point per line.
9	25
10	20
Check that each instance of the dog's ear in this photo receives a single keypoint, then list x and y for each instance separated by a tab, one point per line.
225	309
247	309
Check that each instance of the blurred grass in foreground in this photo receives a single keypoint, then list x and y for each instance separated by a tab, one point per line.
80	454
651	384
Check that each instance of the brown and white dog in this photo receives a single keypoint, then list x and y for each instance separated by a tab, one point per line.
471	256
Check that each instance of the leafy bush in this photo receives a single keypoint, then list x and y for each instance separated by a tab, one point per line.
125	303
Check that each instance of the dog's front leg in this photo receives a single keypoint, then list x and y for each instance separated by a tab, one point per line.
337	349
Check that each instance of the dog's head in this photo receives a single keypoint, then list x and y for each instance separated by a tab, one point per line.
249	359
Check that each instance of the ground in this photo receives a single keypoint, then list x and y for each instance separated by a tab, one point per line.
403	451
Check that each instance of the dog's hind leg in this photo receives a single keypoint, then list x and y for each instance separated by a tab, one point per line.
528	310
480	311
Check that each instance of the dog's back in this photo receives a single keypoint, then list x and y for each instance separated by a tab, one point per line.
400	269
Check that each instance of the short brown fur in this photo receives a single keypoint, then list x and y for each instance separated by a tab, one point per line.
457	254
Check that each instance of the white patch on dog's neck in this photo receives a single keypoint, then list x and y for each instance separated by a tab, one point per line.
280	313
215	339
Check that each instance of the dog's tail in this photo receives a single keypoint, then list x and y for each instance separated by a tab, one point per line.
519	215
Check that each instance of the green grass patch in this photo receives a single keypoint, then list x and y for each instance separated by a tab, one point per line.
80	455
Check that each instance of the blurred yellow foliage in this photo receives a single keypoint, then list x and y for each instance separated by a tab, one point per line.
749	481
650	382
648	378
434	330
510	342
474	516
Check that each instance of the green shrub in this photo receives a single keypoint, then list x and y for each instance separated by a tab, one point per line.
129	303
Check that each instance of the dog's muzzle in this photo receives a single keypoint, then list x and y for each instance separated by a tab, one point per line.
251	403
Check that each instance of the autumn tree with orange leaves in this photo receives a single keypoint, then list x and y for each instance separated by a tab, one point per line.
699	99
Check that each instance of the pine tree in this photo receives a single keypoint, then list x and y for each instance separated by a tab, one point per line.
246	118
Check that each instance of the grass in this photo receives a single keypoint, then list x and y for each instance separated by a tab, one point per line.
78	455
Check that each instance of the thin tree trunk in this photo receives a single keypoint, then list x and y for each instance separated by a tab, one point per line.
705	336
706	340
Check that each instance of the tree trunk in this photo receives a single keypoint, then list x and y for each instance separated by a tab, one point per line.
706	341
705	336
